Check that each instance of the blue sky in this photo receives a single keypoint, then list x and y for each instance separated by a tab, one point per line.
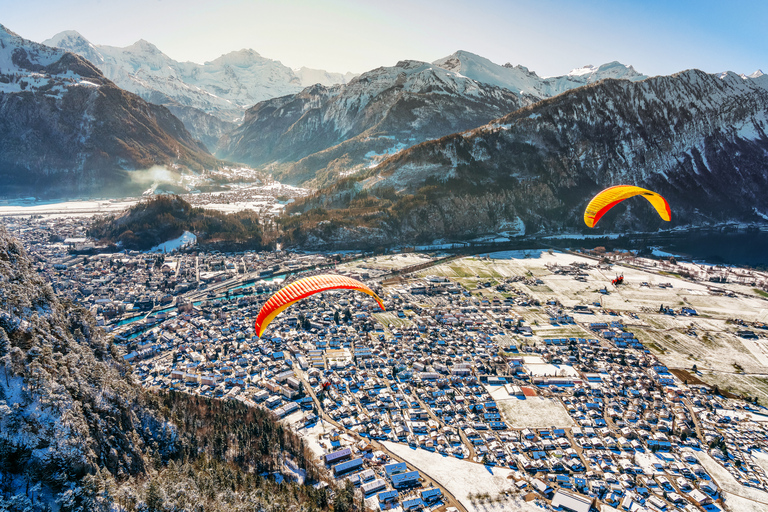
548	36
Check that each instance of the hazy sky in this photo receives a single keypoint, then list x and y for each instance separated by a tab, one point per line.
548	36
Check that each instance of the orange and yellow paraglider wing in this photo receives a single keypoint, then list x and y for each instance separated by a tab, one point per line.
610	197
262	323
303	288
661	205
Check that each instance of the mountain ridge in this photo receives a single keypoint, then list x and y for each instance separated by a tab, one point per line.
521	80
223	87
65	125
698	139
321	135
377	113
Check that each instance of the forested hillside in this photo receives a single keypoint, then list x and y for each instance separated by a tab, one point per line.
164	218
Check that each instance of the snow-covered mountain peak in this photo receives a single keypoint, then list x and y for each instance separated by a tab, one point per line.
144	46
461	60
69	38
519	67
223	87
409	65
585	70
613	69
414	76
73	41
758	78
241	58
619	69
517	79
520	80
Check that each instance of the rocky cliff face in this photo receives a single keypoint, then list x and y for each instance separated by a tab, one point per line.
66	129
700	140
322	134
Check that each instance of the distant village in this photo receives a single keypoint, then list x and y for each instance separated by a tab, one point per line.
446	369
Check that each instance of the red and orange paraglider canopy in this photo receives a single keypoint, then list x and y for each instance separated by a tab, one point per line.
612	196
303	288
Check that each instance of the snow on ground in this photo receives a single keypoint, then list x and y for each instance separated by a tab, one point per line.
298	473
312	436
540	257
533	412
736	503
517	255
184	240
462	478
498	392
662	254
395	261
238	206
758	349
728	483
646	461
742	415
760	458
68	208
551	370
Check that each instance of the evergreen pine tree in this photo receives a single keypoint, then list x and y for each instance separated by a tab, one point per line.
5	343
154	497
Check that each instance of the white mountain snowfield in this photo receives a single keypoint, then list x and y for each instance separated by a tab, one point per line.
224	87
520	80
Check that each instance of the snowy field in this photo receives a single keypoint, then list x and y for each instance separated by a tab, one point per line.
707	340
761	459
239	206
388	262
462	478
67	209
742	415
388	318
750	497
532	412
736	503
312	437
550	370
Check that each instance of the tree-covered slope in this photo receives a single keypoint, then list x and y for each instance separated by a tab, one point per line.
163	218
